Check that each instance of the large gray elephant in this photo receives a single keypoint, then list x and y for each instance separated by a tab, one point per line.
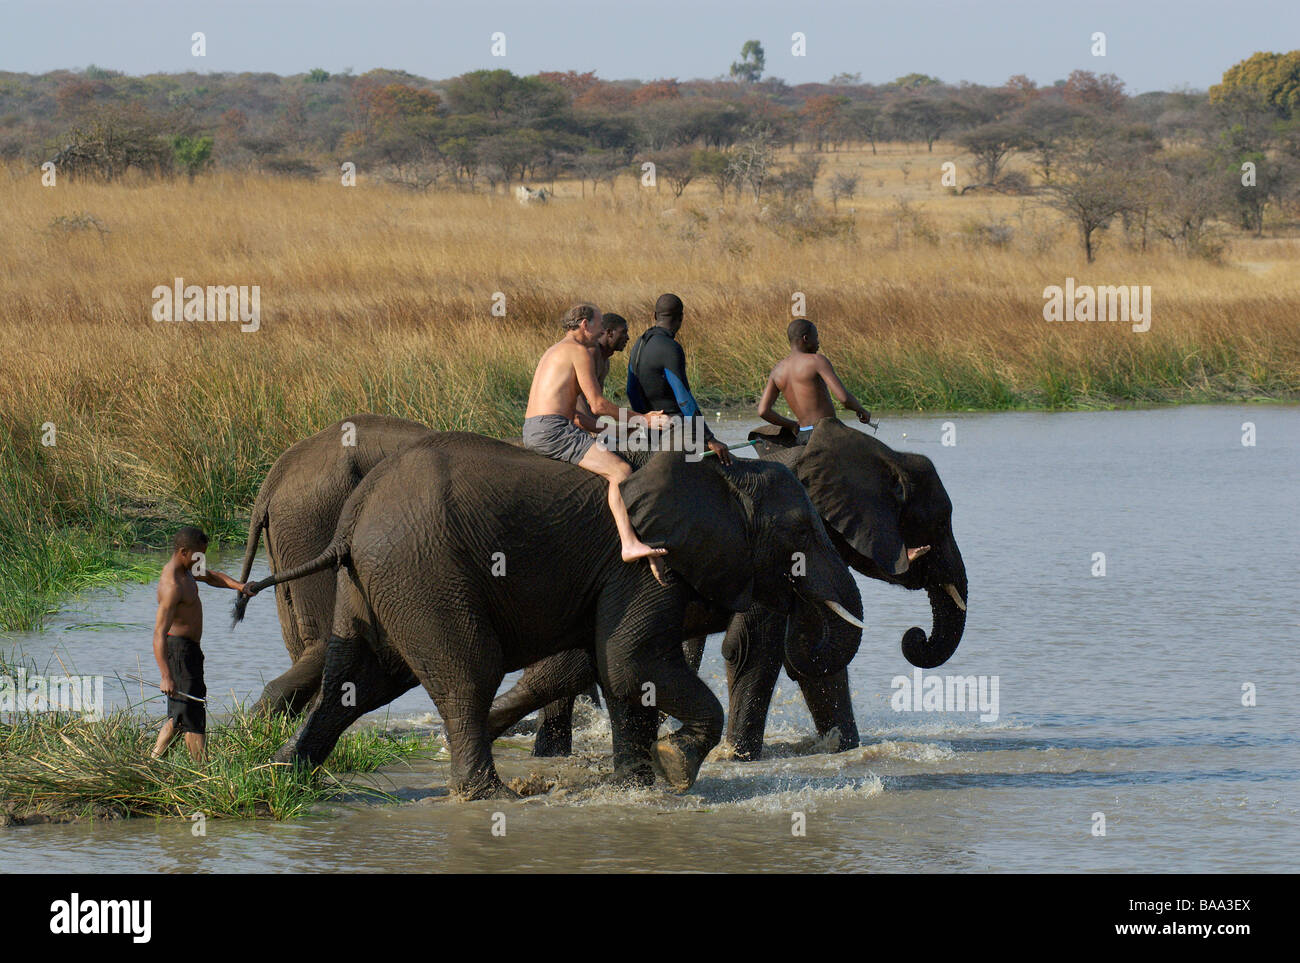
296	511
463	558
876	503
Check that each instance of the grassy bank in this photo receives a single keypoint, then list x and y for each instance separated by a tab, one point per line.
63	767
379	300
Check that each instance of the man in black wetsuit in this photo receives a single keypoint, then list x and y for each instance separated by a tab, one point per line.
656	372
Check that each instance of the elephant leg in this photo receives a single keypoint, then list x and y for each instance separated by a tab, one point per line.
752	649
555	729
693	649
831	707
681	693
355	682
293	691
640	663
633	728
555	724
459	663
551	685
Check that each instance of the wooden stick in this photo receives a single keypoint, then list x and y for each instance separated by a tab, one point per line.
183	695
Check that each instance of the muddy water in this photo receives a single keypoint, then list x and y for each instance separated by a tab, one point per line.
1118	694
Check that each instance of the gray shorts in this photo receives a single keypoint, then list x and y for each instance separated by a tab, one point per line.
557	437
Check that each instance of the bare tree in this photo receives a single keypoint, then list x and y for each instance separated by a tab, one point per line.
842	186
1092	191
751	161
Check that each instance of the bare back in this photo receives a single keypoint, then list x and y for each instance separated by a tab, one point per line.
799	377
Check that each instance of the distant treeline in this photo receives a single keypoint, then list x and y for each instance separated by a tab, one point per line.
490	128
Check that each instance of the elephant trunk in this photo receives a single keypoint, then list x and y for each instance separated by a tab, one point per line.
948	595
824	630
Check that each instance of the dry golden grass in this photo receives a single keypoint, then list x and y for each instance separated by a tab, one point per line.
378	299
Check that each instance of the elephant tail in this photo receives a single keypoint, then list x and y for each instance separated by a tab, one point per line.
256	526
336	555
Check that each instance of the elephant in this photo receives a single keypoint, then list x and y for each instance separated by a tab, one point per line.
875	503
461	558
296	510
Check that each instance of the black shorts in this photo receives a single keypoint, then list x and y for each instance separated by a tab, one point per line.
185	663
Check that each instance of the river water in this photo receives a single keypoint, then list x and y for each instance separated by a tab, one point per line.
1119	696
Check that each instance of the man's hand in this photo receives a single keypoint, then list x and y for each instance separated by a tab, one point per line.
719	449
167	685
246	589
864	416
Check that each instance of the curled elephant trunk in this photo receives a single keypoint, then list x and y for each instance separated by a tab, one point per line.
948	605
824	630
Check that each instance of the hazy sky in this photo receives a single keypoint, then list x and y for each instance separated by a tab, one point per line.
1151	44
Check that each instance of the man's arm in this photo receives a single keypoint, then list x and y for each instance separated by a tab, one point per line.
837	389
221	580
676	363
582	416
168	596
770	393
585	367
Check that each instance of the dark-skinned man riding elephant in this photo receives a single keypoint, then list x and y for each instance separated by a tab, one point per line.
876	504
296	511
462	558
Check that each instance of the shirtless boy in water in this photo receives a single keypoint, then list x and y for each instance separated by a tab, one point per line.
808	380
567	368
176	634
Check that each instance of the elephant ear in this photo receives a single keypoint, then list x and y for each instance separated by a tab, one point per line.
705	522
857	488
770	438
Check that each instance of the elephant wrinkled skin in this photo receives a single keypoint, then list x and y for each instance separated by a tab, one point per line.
461	558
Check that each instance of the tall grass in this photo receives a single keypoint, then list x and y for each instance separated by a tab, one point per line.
61	766
379	300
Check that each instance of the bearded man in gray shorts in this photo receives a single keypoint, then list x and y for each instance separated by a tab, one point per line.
566	370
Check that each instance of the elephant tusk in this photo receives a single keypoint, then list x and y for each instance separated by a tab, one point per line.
956	597
845	614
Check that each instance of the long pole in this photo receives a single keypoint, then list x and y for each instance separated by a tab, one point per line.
183	695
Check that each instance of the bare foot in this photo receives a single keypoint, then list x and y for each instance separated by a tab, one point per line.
914	553
638	550
660	575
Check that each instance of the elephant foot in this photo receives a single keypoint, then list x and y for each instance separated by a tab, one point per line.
633	777
549	745
487	787
678	764
746	753
844	740
290	754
